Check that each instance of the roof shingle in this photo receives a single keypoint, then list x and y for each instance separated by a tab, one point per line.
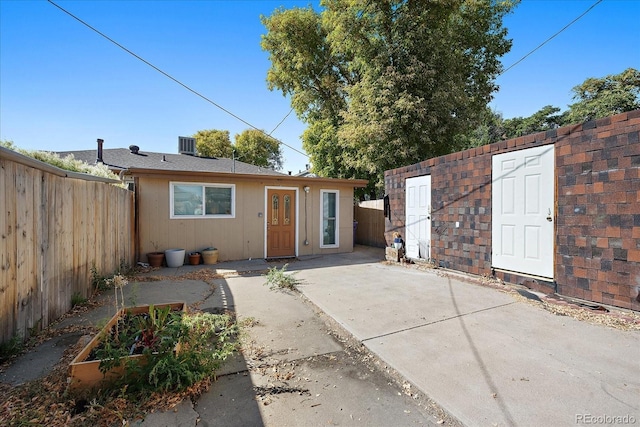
122	158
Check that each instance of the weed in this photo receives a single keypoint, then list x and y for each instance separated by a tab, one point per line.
99	282
78	299
124	268
279	279
11	348
205	341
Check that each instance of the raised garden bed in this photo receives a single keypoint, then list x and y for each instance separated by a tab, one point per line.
130	335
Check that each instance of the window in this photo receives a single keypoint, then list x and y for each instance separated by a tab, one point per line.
187	200
329	214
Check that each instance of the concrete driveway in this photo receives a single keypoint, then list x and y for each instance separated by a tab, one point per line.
486	357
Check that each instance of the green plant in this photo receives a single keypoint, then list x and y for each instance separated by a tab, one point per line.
11	348
99	282
67	163
279	279
125	269
205	341
78	299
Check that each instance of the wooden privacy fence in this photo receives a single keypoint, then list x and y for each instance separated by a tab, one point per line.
370	217
55	226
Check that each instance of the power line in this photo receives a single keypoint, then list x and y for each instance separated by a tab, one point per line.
178	81
550	38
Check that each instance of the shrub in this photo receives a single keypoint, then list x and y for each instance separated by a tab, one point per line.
279	279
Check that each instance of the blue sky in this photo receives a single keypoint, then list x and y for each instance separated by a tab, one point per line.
62	86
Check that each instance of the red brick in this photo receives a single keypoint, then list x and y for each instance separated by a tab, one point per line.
613	232
634	121
598	187
579	272
619	118
617	175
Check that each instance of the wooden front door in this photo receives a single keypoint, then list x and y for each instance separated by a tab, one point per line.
281	223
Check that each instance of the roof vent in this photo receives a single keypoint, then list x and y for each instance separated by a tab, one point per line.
187	145
134	149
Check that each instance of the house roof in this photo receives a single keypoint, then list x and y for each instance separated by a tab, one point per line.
277	179
123	158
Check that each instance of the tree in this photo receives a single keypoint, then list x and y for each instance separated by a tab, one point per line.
213	143
257	148
387	83
491	129
542	120
602	97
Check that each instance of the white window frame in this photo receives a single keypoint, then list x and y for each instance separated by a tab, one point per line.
337	218
204	185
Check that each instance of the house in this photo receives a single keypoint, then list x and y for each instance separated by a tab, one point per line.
245	211
556	211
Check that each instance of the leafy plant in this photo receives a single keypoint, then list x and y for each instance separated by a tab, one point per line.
279	279
67	163
78	299
99	282
205	341
11	348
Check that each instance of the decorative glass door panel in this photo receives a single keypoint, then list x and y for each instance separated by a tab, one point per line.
281	223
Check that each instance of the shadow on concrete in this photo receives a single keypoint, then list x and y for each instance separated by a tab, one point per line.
231	400
480	362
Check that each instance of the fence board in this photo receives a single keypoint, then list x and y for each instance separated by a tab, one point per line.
8	277
371	226
53	228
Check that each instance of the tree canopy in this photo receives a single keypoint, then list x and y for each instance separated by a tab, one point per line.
606	96
213	143
383	84
251	146
595	98
257	148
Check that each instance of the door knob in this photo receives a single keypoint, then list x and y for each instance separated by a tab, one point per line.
549	218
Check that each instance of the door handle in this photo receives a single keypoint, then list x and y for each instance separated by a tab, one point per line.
549	217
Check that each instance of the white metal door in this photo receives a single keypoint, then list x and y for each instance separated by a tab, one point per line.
417	235
522	211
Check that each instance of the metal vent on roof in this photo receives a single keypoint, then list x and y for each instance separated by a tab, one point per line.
187	145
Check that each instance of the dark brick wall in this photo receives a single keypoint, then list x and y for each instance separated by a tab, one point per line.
597	246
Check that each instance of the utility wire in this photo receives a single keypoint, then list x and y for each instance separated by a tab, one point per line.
550	38
179	82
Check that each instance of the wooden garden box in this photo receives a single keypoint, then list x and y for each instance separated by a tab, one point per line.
85	374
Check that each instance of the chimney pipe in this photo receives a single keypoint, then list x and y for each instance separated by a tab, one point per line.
99	159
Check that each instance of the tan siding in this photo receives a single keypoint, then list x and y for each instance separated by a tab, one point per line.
236	238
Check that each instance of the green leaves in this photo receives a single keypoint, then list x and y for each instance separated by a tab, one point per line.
279	279
603	97
385	83
205	341
251	146
213	143
256	148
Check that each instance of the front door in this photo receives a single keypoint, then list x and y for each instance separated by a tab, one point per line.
522	210
417	238
281	223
